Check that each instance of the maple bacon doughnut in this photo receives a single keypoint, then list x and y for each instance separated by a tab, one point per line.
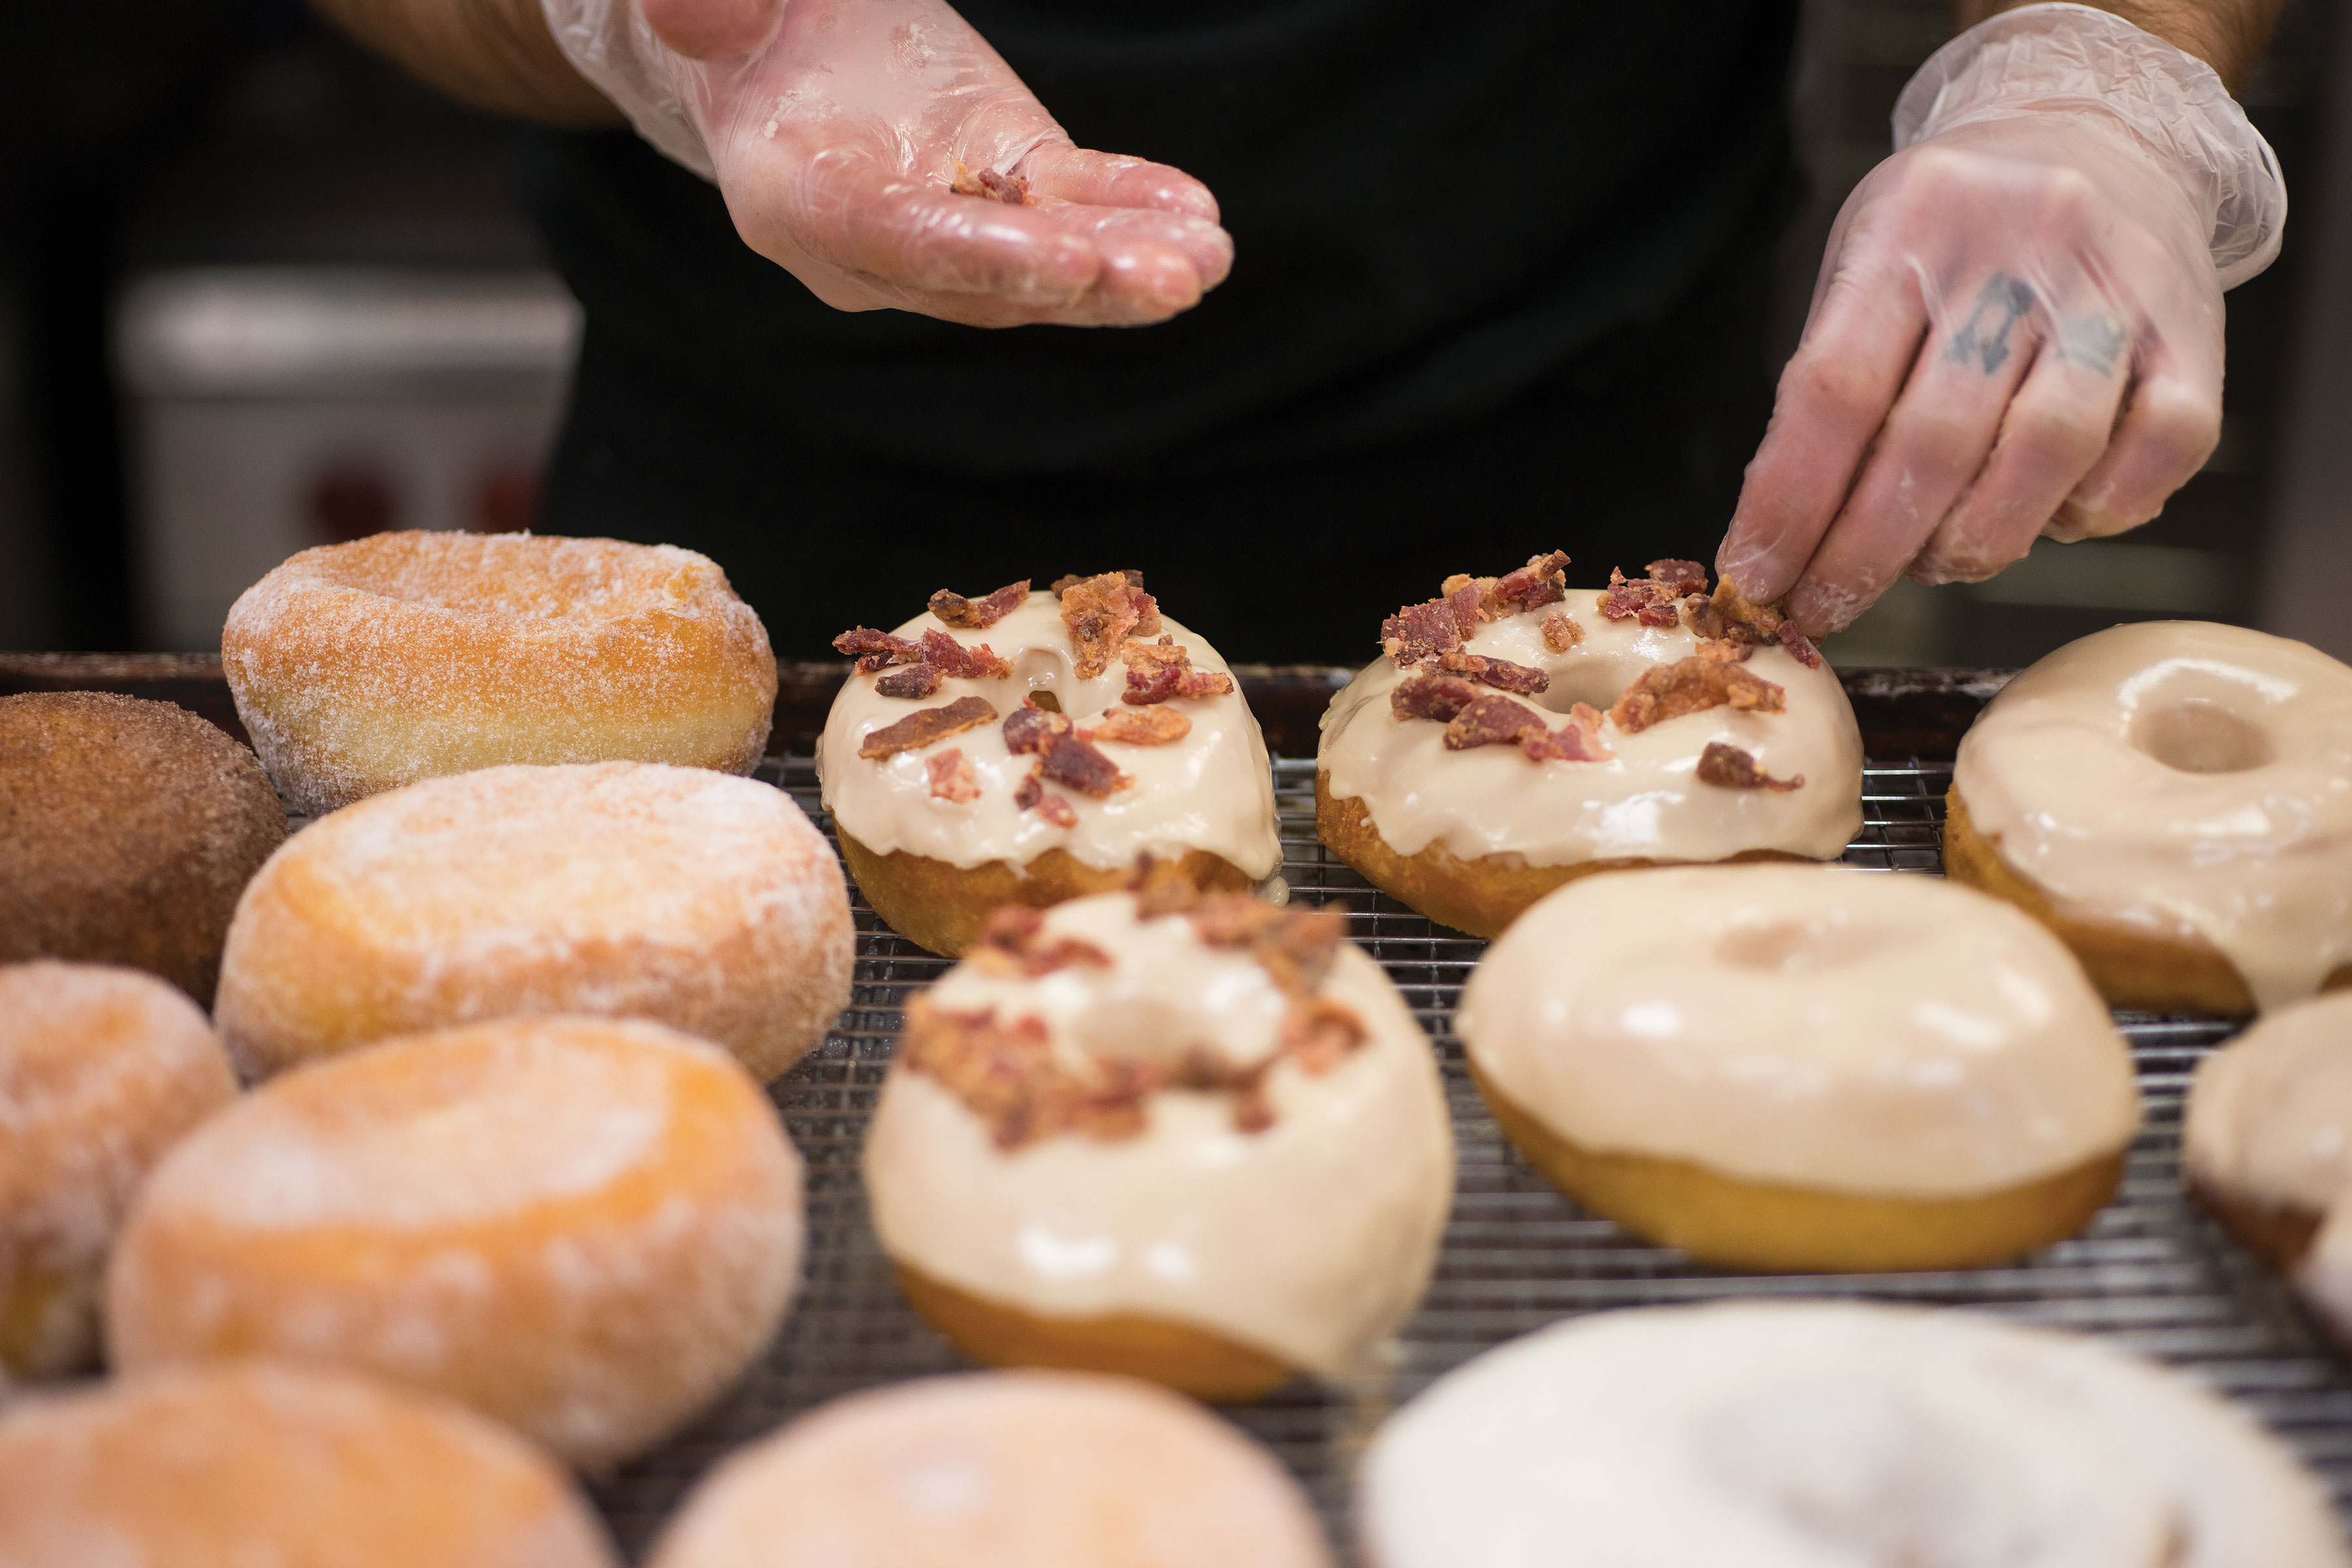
1028	748
359	667
2169	798
1515	735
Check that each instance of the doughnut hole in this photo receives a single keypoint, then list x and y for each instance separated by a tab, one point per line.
2201	736
1591	681
1808	945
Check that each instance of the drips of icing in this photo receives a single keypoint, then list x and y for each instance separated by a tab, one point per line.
2271	1117
2067	771
1644	801
1211	790
1825	1435
1309	1240
1890	1036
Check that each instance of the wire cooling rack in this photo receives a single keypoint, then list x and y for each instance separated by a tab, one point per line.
2151	1273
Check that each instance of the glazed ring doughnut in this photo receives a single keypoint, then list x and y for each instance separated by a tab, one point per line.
1697	730
1085	739
1803	1069
2169	798
362	666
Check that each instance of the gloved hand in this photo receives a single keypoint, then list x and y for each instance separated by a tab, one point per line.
2017	329
839	130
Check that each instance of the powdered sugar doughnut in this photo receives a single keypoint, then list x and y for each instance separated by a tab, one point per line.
362	666
261	1464
1006	1469
101	1070
699	900
583	1227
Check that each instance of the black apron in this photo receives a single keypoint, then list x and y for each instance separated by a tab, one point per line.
1501	285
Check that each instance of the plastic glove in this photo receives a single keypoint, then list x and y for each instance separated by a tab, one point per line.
2017	329
837	130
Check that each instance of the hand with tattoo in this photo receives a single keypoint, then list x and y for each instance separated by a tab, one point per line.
881	153
2017	330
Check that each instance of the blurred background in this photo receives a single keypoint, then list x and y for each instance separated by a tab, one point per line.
258	292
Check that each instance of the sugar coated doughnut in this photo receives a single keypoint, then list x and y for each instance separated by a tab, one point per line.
676	894
127	829
255	1464
362	666
1028	748
1696	728
1829	1435
1804	1067
1193	1138
1004	1469
101	1070
2169	798
583	1227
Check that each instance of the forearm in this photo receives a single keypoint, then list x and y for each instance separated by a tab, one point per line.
2227	35
494	54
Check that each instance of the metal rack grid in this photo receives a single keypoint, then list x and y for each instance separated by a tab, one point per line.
2151	1273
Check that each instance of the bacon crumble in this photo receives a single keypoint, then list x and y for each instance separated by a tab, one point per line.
1579	742
1141	726
911	680
1676	578
1732	768
1488	721
1542	581
1499	673
1102	613
1158	671
1425	696
1028	726
949	657
951	776
1008	945
1692	685
1643	599
1801	648
1075	763
876	650
1560	633
989	185
978	614
1473	718
926	725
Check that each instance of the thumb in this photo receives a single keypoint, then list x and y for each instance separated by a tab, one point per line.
713	29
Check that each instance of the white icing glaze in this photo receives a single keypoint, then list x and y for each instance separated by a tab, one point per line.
1211	790
2066	771
1830	1436
2270	1118
1644	802
1879	1034
1309	1240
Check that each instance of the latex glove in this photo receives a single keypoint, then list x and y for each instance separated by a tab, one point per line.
836	129
2017	329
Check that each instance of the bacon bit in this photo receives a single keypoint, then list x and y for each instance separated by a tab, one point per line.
1027	794
987	184
1297	947
1560	633
1134	580
1159	888
1800	647
1728	616
1158	671
1489	721
1028	726
1499	673
1141	727
1057	811
979	615
951	658
1691	686
1071	761
1641	600
876	650
1676	578
909	681
1425	696
1319	1034
1422	631
1008	945
1009	1076
1725	652
951	776
924	725
1101	612
1732	768
1580	741
1539	583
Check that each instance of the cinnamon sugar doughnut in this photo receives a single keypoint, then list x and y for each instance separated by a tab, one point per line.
362	666
262	1465
1004	1470
586	1228
127	829
101	1070
699	900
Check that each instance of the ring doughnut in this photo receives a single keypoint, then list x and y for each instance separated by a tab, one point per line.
359	667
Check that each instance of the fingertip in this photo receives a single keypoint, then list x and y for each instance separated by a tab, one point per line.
713	29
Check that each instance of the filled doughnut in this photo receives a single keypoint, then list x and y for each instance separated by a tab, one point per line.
127	829
2169	798
359	667
1829	1435
101	1070
705	902
1000	1470
1516	735
585	1228
1027	748
260	1464
1195	1138
1801	1068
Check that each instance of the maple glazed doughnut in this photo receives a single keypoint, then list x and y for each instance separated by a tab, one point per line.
2169	797
1697	730
1829	1435
1086	741
699	900
583	1227
101	1070
1803	1069
359	667
1192	1137
1000	1470
127	829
